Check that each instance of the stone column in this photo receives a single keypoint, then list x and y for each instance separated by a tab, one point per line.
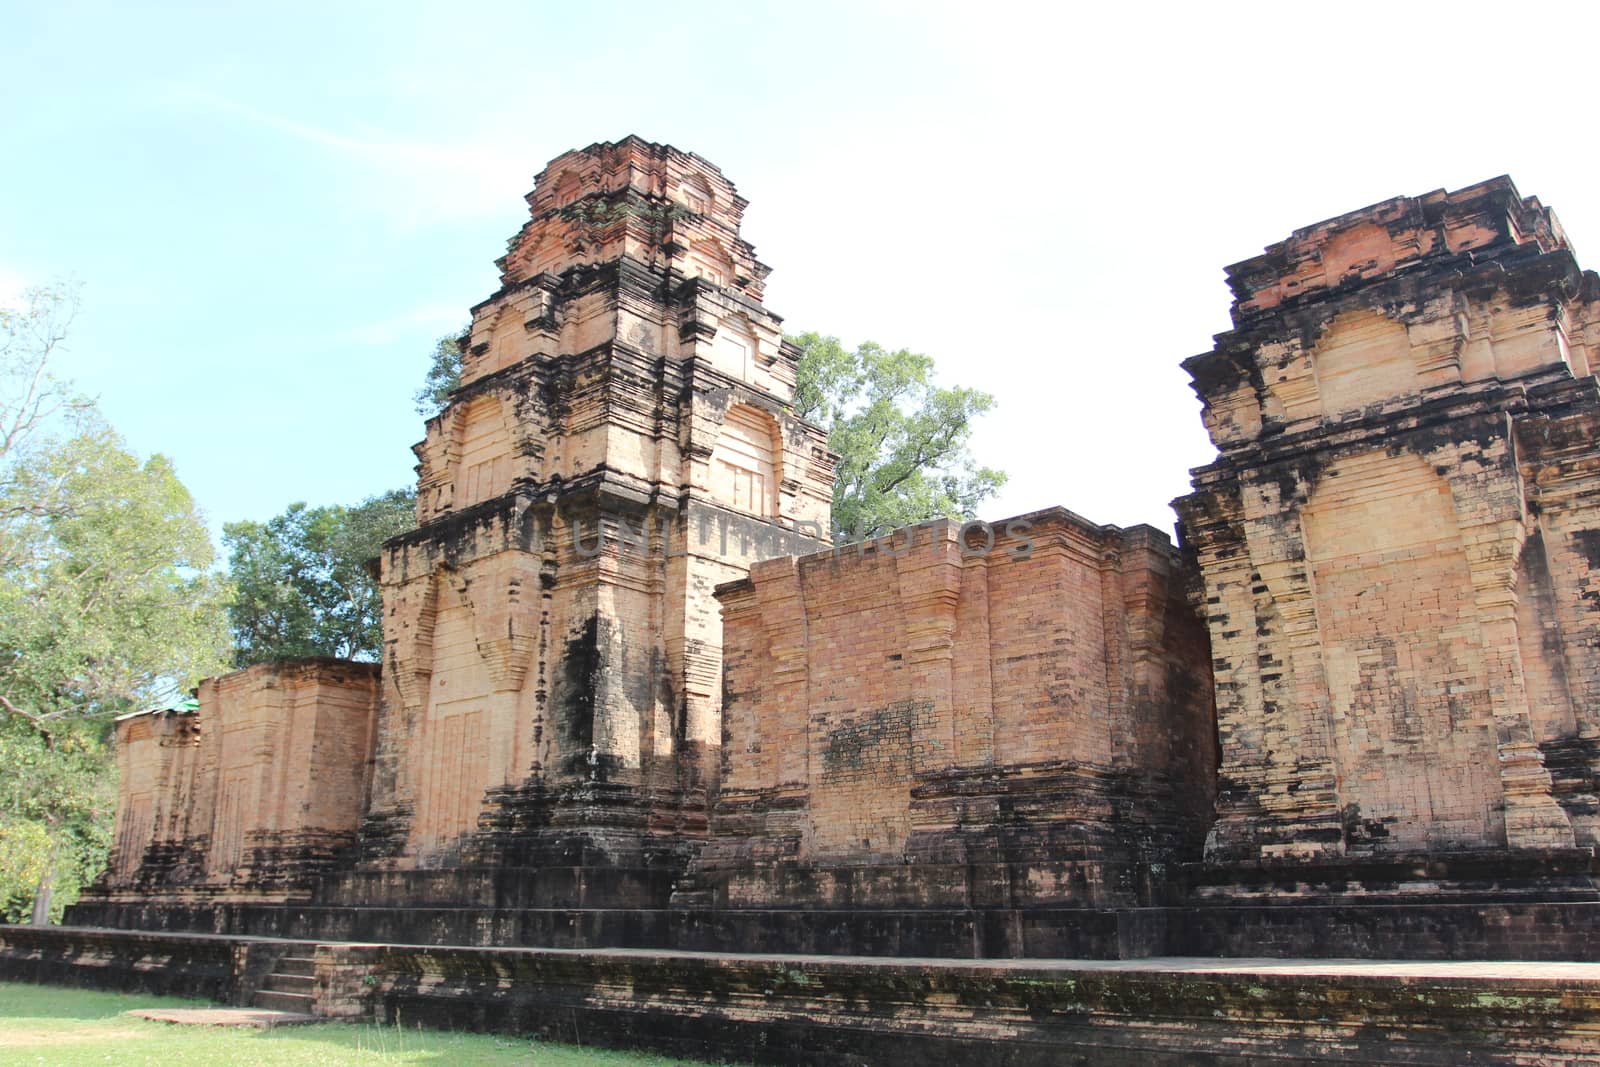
779	591
1493	527
930	589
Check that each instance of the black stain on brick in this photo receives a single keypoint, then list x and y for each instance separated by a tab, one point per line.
581	667
1587	542
878	747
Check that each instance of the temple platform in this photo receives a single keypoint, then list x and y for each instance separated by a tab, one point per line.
1484	926
808	1009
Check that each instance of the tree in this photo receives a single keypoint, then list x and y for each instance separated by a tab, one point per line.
32	399
444	374
57	798
107	604
902	441
109	600
302	583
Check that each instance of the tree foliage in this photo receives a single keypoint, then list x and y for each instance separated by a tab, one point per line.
108	599
302	587
444	374
57	799
107	603
31	397
902	440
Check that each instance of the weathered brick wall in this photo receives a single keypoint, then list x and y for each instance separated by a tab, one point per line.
254	793
621	442
842	1013
1392	537
749	1006
1040	700
152	749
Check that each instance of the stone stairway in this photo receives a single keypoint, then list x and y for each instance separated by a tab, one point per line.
289	986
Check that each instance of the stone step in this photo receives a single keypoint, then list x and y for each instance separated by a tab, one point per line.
295	1002
277	982
300	965
260	1018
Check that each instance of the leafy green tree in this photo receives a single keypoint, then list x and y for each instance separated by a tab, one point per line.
444	374
902	440
109	599
57	799
302	583
107	604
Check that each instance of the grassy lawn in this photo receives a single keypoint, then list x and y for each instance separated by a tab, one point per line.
67	1027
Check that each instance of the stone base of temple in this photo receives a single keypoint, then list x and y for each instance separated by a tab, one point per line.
592	824
1495	876
1064	882
1513	928
789	1009
1069	837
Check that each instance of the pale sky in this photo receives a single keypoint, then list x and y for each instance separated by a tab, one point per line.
275	212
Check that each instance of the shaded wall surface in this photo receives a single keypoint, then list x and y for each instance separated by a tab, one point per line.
255	794
1023	718
1398	536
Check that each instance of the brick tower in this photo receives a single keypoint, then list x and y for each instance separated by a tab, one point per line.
1398	540
620	443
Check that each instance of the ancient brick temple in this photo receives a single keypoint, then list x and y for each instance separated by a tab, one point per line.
960	717
254	794
1397	542
620	443
632	696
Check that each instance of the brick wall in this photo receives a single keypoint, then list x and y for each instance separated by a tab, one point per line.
1040	697
621	442
253	794
1391	536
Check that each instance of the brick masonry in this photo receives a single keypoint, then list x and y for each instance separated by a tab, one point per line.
1394	537
1350	711
786	1009
1027	710
619	444
254	795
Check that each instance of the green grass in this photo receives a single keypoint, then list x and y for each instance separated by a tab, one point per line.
65	1027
